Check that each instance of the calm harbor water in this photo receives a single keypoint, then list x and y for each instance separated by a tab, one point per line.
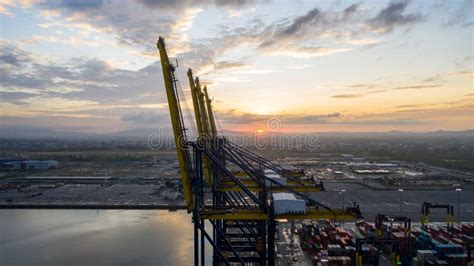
95	237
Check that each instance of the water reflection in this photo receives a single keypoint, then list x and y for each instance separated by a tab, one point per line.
90	237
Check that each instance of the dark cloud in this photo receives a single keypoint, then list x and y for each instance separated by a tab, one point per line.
464	62
416	87
9	59
292	36
45	126
139	23
25	80
402	115
77	79
74	5
308	119
315	33
92	68
16	68
377	91
433	78
232	117
299	28
221	65
187	3
11	55
352	9
132	23
347	96
300	23
15	97
404	106
412	87
164	3
350	85
394	15
462	15
458	111
467	24
145	117
385	121
358	85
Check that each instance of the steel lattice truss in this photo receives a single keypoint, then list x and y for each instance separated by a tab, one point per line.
236	204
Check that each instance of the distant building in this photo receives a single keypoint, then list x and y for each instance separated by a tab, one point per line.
20	163
170	195
284	203
371	172
71	178
386	164
359	165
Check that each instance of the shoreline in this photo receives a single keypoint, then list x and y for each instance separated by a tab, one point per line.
92	206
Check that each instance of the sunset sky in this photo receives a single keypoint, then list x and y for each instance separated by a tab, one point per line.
314	66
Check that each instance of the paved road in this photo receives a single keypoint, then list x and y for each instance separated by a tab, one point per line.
388	201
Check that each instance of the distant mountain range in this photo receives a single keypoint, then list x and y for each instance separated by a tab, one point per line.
143	133
43	132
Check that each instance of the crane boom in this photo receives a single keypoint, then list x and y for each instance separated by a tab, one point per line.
177	124
205	128
197	108
205	120
201	121
212	122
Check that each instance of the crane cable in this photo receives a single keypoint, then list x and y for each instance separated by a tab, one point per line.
218	121
187	108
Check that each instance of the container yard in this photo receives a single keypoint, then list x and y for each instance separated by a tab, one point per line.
326	242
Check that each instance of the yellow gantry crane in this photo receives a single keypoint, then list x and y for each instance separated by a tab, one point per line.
238	207
212	121
202	122
182	149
